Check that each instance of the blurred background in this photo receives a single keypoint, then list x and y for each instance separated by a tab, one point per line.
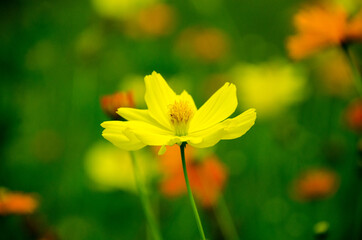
295	173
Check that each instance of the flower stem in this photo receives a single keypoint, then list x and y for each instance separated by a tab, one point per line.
145	200
225	221
355	72
191	198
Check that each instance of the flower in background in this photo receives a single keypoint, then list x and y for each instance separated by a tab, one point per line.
17	203
174	119
120	9
334	73
204	44
111	168
110	103
319	27
269	87
163	21
207	175
315	184
353	115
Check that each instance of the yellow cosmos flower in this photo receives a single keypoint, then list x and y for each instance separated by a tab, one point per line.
120	9
173	119
110	168
271	87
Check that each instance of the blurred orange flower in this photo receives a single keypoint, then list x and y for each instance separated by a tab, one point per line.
205	44
207	176
353	115
110	103
16	203
322	26
163	21
315	184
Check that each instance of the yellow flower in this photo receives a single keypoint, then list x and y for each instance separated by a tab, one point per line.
172	119
110	168
270	87
120	9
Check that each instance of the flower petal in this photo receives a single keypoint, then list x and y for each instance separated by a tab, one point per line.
238	126
185	96
144	132
228	129
152	135
219	106
158	97
132	114
119	136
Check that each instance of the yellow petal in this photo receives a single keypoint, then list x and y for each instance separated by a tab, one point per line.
158	97
219	106
228	129
185	96
119	136
208	137
144	132
152	135
238	126
132	114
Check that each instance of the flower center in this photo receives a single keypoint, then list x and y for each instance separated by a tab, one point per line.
180	114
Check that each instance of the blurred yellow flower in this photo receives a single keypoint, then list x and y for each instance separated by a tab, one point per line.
120	9
173	119
319	27
16	202
111	168
269	87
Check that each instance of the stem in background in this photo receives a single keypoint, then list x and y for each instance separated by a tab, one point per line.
358	221
355	72
191	198
224	219
145	201
358	218
358	81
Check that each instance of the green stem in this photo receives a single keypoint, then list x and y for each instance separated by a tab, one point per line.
145	201
225	221
191	198
355	72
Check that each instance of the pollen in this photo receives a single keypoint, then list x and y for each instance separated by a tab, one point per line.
181	113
